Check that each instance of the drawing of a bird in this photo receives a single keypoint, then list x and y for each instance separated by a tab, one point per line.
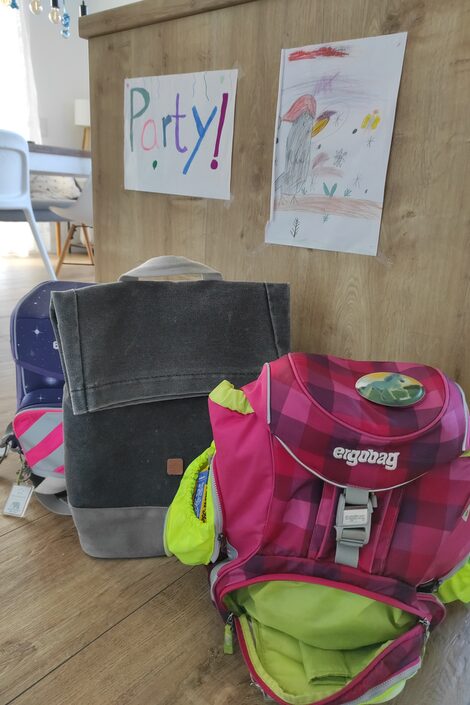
304	127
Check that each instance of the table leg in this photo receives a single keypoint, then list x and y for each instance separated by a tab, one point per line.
88	245
65	248
57	239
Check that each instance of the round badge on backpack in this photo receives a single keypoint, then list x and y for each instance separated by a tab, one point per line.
390	389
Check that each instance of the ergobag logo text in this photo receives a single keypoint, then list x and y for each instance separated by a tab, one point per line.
353	457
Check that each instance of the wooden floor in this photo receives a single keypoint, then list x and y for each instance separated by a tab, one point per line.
75	630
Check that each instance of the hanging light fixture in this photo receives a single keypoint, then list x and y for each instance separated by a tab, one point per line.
55	16
65	21
54	12
36	7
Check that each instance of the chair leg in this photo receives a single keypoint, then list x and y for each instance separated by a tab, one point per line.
86	138
57	239
65	248
88	245
41	247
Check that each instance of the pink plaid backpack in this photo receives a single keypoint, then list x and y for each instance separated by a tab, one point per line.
336	510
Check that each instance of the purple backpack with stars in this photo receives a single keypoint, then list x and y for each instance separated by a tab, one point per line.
37	425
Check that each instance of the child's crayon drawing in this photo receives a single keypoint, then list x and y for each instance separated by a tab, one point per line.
336	109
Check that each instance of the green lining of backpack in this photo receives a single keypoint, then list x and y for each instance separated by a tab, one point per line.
307	641
457	587
227	396
191	540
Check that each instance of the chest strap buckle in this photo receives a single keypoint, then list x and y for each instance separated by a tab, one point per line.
353	524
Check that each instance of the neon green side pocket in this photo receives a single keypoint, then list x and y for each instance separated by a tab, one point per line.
186	536
457	587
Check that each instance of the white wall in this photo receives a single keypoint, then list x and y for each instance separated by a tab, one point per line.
61	71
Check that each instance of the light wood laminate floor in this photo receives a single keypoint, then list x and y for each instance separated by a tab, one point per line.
75	630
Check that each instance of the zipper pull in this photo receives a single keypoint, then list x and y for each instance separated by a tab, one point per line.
427	628
222	541
258	687
228	635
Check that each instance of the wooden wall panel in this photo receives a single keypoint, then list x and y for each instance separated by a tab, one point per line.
409	302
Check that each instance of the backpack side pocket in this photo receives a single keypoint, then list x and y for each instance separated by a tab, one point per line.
456	587
187	535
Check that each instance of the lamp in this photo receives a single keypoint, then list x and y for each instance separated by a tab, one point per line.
36	7
55	16
54	13
82	118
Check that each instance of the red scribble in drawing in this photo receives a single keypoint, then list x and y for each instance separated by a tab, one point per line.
316	53
304	104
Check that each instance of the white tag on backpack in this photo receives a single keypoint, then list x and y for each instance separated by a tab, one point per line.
466	513
18	500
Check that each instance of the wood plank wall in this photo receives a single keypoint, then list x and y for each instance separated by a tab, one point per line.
411	302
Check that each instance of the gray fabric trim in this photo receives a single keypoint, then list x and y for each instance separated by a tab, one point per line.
356	495
55	504
121	532
169	266
347	555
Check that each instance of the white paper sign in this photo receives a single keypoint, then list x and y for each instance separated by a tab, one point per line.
178	133
335	116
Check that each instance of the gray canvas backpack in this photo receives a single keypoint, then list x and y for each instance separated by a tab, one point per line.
139	360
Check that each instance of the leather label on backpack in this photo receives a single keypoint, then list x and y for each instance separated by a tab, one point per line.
174	466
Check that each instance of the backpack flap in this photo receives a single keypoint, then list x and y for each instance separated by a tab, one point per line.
135	342
371	425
